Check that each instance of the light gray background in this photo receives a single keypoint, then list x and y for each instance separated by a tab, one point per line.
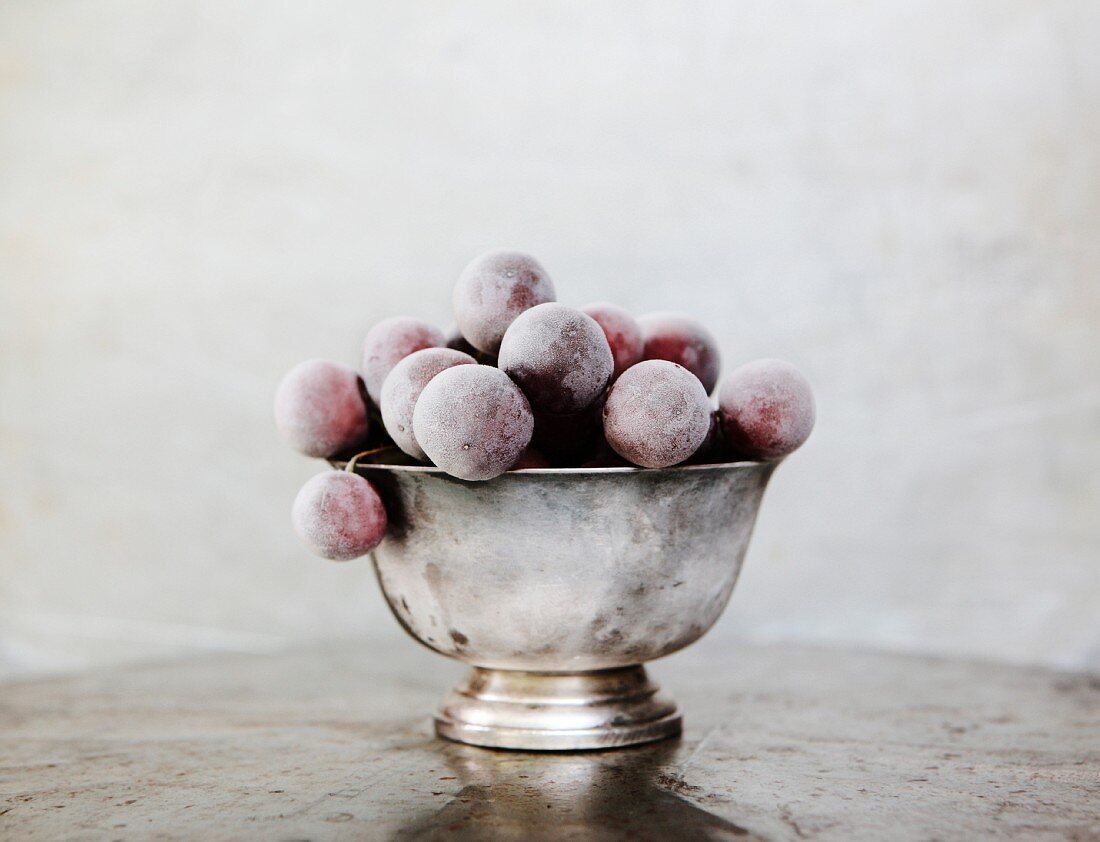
901	198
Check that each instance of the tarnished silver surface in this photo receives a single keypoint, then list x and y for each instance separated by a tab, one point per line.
548	711
782	744
563	572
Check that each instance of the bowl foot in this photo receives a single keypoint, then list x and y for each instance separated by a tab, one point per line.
557	711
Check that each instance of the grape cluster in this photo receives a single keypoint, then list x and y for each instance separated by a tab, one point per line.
522	382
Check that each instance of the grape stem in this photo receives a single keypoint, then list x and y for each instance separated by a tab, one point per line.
350	466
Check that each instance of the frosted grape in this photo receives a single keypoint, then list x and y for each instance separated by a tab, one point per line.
657	414
623	334
389	342
321	409
403	386
558	356
492	290
767	409
472	421
339	515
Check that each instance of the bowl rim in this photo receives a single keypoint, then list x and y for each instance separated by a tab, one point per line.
341	464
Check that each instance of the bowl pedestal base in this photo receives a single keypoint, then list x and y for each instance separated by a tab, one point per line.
542	711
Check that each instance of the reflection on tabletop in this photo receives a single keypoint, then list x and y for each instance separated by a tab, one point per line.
612	794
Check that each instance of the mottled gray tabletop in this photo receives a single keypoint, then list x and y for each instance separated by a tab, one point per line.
334	743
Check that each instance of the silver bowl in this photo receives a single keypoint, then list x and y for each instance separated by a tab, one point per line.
556	585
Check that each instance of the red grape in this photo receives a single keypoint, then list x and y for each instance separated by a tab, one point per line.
657	414
682	340
495	288
473	421
403	386
767	409
389	342
339	515
622	332
321	409
558	356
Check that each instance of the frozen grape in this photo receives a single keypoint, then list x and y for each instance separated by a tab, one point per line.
657	414
767	409
495	288
321	409
472	421
339	515
622	332
530	458
682	340
389	342
558	356
403	386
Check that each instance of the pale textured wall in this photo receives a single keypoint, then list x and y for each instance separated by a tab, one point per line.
901	198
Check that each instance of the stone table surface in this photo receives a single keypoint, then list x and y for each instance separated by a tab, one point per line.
334	743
